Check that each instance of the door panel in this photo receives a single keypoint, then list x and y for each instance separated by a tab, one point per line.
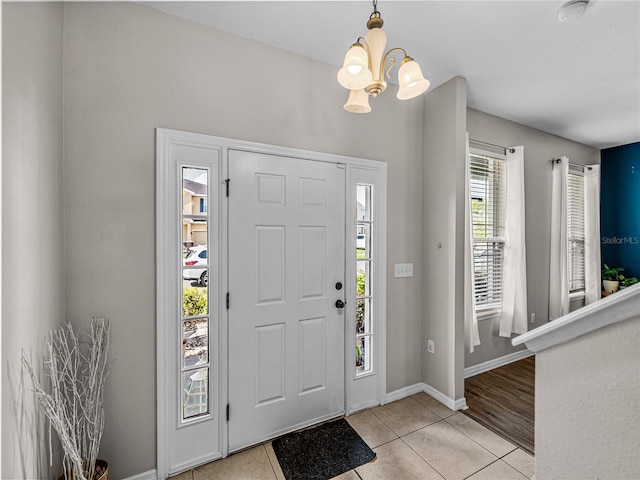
311	355
286	253
312	251
270	363
270	265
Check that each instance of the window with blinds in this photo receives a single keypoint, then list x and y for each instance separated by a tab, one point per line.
488	216
575	231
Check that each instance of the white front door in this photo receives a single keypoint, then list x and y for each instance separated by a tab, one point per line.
286	257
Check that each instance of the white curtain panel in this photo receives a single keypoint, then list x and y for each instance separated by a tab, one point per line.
514	292
558	260
592	233
471	334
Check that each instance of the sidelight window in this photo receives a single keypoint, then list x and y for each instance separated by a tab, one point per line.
188	252
195	315
364	280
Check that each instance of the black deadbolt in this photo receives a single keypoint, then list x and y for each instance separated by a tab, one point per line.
339	286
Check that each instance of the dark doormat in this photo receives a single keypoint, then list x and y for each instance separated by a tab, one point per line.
321	452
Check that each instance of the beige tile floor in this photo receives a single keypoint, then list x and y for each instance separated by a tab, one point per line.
414	438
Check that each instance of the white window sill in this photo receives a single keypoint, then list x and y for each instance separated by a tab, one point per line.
486	314
576	296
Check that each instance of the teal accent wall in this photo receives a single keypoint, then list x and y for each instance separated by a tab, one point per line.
620	208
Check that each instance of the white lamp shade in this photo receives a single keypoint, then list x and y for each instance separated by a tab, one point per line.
355	73
412	82
358	102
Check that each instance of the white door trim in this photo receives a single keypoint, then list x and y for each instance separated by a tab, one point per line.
368	390
171	432
162	330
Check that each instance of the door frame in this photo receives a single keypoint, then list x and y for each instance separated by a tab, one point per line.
355	167
370	389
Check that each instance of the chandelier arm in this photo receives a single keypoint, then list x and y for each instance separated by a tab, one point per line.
392	62
362	41
389	58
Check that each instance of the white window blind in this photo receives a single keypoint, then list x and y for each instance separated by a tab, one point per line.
488	214
575	233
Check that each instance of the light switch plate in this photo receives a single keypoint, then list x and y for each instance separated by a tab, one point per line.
403	270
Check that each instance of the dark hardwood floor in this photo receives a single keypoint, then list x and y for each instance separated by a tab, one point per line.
502	400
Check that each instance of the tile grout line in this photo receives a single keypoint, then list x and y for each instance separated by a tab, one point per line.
488	427
396	433
486	466
422	458
400	437
490	430
273	469
390	429
479	444
453	412
516	468
497	458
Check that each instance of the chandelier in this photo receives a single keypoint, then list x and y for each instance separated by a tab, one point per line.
366	64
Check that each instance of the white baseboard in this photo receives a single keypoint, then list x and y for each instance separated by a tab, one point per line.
496	362
459	404
404	392
150	475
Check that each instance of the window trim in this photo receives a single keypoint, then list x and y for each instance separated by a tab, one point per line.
487	312
171	432
579	293
370	295
369	388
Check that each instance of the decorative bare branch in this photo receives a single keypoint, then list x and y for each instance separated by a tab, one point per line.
77	368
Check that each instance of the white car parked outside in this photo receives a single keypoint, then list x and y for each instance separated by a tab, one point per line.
197	256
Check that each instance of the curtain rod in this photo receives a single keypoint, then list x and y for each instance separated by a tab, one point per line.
557	160
506	149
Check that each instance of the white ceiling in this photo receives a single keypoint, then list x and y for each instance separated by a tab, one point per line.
579	80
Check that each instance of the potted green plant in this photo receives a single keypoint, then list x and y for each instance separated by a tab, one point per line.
76	369
611	278
627	282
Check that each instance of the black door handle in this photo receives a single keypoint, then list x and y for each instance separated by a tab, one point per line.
340	303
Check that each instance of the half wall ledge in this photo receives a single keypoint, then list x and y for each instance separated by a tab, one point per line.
613	309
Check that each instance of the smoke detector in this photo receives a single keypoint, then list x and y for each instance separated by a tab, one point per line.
572	10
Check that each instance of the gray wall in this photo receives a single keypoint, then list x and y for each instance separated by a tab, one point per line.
443	236
32	243
129	69
588	406
539	148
